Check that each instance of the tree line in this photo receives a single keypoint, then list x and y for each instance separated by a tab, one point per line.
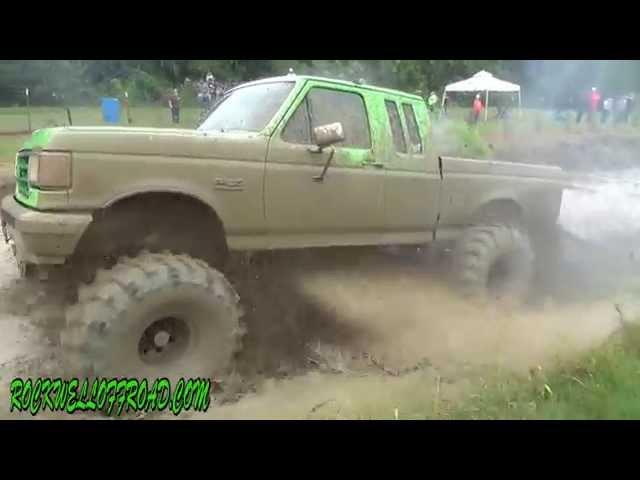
147	81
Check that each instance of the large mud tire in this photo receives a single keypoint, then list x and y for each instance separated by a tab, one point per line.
494	263
108	328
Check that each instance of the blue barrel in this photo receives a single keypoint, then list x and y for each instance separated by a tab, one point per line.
111	110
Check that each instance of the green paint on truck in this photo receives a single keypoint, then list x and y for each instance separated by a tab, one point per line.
25	193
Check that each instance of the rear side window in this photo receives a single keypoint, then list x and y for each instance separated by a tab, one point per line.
396	127
298	129
412	126
330	106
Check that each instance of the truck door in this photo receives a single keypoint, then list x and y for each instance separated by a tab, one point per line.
347	206
412	184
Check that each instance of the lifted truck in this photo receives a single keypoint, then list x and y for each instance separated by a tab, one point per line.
143	219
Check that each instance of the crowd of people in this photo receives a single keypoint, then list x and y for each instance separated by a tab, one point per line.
208	91
593	104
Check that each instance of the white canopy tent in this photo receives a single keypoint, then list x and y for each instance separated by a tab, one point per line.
483	82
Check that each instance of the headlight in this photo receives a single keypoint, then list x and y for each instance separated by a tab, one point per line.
50	170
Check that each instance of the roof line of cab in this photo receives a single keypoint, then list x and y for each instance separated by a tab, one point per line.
294	78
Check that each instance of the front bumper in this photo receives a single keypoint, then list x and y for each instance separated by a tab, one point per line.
41	237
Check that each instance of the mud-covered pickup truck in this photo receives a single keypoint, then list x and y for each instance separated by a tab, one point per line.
142	219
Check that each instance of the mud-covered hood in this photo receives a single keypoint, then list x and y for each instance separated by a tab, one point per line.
141	141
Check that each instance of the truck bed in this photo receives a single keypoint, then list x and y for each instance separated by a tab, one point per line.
453	165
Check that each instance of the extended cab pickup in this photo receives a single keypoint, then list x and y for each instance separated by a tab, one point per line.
255	176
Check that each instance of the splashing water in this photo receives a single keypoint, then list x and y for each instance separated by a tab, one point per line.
608	209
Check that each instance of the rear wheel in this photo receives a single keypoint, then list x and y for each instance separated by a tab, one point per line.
153	316
494	263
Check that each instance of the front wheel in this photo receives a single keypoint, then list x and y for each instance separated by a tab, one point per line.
153	316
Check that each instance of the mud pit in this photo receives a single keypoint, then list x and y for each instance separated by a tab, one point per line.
348	336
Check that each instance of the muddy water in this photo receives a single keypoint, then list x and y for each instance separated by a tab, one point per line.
608	208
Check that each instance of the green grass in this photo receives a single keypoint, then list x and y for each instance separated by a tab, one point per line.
15	119
603	384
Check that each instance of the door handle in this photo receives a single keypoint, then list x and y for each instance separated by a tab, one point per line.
320	178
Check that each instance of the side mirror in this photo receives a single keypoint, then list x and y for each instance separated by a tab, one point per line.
327	135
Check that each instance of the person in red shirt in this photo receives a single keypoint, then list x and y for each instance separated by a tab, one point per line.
594	103
477	108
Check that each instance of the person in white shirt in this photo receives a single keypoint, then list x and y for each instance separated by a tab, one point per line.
607	109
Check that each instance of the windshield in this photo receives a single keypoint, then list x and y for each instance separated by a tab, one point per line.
248	108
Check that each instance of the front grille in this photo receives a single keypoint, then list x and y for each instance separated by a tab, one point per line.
22	174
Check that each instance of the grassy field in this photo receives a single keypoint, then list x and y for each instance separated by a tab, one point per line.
16	120
601	385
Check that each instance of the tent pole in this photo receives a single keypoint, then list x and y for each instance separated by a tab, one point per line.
486	106
442	103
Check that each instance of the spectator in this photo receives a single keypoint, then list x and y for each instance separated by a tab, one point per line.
607	110
127	109
580	104
619	109
476	109
174	106
503	105
203	96
445	105
628	108
432	101
211	87
594	103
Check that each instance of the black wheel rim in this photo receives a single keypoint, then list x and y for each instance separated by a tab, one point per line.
164	341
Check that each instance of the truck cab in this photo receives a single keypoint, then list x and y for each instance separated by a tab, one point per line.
381	186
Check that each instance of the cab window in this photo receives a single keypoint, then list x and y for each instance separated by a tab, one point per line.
323	106
399	142
412	126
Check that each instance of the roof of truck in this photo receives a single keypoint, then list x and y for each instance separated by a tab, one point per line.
294	78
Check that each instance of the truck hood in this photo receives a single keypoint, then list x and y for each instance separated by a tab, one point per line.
140	141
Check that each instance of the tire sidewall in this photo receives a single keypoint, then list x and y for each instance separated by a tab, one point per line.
476	253
120	353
